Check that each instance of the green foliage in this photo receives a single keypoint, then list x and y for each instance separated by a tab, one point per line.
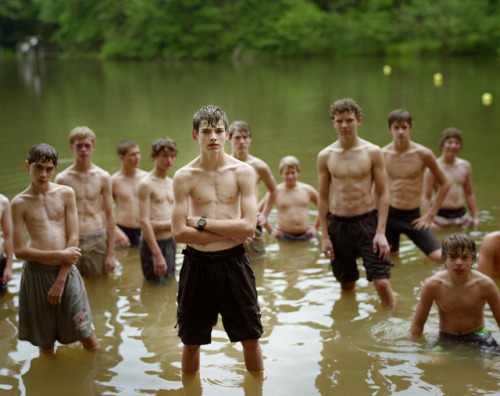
211	29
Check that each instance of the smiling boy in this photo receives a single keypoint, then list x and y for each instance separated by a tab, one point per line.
459	173
460	294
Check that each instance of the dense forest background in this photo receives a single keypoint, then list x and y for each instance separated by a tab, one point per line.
211	29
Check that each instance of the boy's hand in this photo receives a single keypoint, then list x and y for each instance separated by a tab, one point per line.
381	245
327	248
121	238
422	223
159	264
109	264
7	276
55	293
71	255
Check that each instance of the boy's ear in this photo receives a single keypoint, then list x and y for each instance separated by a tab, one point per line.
27	165
194	135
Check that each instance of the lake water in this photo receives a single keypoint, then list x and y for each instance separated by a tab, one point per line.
317	340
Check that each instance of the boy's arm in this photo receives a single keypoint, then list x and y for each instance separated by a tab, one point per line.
324	205
71	216
381	192
427	191
260	208
313	197
159	262
7	240
486	256
427	296
107	202
268	179
443	186
470	197
492	297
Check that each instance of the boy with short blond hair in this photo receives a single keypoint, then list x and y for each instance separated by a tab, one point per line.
53	303
460	294
292	201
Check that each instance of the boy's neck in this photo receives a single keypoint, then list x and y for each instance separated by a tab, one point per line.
448	159
241	155
129	171
83	165
402	144
160	173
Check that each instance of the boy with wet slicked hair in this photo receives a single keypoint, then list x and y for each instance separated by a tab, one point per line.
460	294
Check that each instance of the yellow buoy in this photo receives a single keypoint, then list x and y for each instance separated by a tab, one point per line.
387	70
487	99
438	79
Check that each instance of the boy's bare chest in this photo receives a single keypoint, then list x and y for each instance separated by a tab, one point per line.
404	166
350	164
210	189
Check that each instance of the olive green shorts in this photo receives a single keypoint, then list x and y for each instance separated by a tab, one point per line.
94	248
257	248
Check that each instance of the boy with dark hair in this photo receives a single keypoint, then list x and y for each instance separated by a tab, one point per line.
461	294
459	173
157	247
215	213
240	137
405	162
53	304
125	185
353	218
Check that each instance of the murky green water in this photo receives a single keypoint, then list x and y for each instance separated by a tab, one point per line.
317	340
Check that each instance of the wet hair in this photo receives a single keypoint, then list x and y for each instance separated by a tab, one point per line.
42	152
291	161
123	147
81	132
346	105
400	115
212	114
458	244
449	133
163	144
239	126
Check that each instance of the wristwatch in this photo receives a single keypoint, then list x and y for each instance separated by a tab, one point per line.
202	223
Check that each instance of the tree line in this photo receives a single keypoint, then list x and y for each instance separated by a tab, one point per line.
213	29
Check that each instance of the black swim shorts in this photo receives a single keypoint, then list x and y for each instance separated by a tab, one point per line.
399	221
168	249
217	282
352	237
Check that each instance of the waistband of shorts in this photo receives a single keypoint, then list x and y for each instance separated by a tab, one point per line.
405	212
452	213
91	234
350	219
482	331
128	228
259	228
39	266
234	251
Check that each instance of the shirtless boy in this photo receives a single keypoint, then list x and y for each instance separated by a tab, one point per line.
405	162
459	173
292	201
240	137
53	304
6	254
92	187
353	220
488	261
215	212
460	294
156	199
125	187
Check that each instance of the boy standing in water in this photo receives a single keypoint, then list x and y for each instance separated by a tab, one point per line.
6	254
240	137
125	186
156	198
92	187
292	201
405	162
460	294
459	173
215	212
53	304
353	221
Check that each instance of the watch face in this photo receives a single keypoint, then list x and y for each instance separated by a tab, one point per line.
202	223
